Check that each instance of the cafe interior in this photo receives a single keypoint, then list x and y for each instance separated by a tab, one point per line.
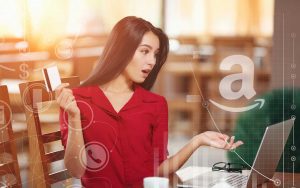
71	35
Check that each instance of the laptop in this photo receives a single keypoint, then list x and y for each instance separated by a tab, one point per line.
264	165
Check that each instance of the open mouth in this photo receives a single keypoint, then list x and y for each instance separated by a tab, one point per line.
146	71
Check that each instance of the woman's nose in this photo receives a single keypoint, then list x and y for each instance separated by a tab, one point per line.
151	60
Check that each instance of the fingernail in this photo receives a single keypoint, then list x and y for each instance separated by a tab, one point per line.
233	137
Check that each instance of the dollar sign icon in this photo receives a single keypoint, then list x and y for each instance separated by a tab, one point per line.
24	71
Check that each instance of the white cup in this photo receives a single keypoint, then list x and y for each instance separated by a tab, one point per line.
156	182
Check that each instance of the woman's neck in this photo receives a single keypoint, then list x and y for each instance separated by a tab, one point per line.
118	85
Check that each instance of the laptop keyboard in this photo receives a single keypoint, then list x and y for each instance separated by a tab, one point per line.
234	180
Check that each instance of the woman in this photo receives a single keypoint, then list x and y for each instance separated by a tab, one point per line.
114	130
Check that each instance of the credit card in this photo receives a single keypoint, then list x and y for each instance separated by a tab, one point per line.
51	77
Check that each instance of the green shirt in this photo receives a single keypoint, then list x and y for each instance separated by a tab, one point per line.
251	125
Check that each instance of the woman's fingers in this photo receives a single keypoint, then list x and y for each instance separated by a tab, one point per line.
225	137
220	140
60	88
236	145
69	101
65	97
232	140
71	98
229	143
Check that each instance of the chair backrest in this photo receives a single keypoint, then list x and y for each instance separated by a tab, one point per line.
33	94
9	167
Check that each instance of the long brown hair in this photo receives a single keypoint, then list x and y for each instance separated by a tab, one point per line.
121	45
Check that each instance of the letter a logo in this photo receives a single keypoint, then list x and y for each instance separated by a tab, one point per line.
246	77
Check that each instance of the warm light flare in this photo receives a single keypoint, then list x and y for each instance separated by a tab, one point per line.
11	23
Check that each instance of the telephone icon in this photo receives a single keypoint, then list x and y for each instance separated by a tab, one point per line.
90	153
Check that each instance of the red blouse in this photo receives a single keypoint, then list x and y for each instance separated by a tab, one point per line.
121	148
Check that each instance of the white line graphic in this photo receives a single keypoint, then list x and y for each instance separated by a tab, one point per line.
260	103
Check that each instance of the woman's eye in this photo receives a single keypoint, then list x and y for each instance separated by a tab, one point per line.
145	51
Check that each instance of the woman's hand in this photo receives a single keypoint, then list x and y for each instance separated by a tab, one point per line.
66	100
75	141
208	138
218	140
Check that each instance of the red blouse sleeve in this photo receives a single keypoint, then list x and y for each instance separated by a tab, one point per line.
160	132
63	121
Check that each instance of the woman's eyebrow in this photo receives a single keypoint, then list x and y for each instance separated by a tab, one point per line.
147	45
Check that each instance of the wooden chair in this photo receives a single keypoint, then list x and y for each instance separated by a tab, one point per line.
9	167
40	170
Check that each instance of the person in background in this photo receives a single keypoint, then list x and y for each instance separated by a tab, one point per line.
280	105
114	111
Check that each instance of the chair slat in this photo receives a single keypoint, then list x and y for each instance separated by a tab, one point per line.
51	137
54	156
59	176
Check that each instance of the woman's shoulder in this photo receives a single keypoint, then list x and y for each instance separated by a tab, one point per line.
149	96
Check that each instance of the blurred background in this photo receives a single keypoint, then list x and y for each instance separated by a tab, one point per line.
72	33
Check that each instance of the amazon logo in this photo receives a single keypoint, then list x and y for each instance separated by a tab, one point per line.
246	77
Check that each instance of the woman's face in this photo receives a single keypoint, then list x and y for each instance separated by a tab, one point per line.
143	59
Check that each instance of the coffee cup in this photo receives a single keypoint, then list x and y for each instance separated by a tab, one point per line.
156	182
